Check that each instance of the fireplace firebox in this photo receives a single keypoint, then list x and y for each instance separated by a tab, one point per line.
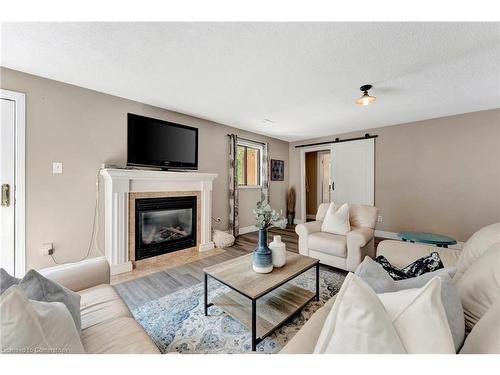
163	225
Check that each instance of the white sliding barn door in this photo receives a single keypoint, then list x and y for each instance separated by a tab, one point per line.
353	172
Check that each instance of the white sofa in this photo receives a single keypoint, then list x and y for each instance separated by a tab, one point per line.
477	280
344	252
107	324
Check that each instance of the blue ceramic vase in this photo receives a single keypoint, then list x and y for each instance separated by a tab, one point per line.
262	255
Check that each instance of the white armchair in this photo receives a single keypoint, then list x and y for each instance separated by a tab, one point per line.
344	252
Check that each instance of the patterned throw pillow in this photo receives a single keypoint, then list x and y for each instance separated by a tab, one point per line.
429	263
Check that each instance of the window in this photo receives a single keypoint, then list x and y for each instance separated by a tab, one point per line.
248	164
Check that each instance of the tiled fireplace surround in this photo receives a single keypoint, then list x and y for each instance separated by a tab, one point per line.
123	186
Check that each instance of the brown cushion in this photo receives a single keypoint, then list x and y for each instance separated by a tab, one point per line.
118	336
328	243
101	303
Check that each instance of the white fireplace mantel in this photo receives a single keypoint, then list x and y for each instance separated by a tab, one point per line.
118	183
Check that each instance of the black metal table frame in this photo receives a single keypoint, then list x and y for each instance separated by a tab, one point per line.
256	340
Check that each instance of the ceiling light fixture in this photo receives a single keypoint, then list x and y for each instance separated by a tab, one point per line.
366	98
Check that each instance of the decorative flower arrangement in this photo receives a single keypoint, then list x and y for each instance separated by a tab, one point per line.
266	217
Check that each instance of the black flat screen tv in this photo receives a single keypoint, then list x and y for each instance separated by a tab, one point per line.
158	143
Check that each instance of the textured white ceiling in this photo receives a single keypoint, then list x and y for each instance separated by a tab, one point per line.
303	76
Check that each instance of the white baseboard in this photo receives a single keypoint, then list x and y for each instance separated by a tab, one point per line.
249	229
394	236
121	268
206	246
313	217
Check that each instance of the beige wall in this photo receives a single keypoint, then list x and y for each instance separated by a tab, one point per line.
440	175
84	128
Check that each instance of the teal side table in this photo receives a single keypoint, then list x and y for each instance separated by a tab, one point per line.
429	238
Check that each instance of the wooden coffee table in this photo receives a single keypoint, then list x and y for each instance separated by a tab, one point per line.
262	302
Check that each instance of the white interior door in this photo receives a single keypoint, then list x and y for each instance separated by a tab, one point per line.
353	172
7	180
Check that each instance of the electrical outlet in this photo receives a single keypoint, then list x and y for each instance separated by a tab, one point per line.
47	248
379	219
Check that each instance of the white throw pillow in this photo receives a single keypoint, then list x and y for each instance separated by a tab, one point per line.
323	207
336	221
36	327
409	321
420	319
358	323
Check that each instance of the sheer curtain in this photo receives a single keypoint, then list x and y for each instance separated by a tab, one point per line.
233	187
265	173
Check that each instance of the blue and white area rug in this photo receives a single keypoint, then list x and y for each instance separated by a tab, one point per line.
177	324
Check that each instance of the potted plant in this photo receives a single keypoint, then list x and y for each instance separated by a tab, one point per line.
265	218
290	205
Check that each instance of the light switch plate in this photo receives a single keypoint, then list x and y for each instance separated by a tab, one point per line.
57	167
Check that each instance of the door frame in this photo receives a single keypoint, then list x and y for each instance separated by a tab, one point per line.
19	169
303	151
320	180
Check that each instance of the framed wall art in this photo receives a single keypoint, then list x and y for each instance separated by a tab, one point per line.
277	170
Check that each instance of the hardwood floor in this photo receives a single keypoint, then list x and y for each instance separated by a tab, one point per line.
140	286
192	269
